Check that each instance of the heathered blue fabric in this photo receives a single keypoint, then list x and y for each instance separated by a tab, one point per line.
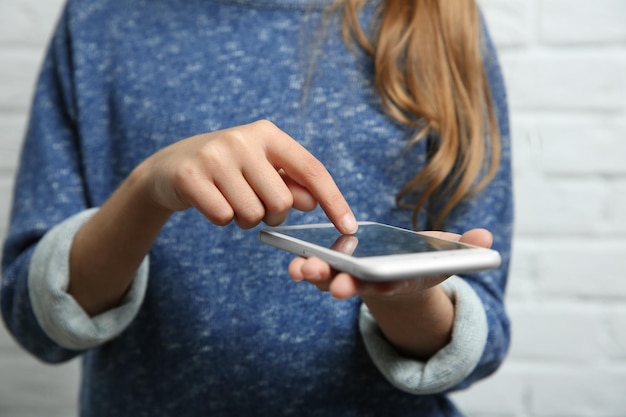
222	329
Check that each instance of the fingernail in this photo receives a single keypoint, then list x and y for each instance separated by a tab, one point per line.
349	224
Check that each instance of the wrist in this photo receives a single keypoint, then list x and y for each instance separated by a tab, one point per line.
412	290
142	188
108	249
417	323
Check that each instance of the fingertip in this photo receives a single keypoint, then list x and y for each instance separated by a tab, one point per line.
348	224
343	287
314	270
295	269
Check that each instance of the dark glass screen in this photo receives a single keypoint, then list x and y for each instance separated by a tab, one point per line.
373	240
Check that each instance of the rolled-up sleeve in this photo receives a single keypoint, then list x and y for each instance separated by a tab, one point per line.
58	314
448	367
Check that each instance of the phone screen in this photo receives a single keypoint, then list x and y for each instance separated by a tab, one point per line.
373	240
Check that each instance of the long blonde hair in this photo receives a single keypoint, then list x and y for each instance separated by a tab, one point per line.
430	75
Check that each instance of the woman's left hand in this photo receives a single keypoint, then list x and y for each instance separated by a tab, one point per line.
415	315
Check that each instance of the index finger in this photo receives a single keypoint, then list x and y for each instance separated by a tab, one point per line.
301	166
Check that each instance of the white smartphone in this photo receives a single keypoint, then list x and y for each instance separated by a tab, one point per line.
378	252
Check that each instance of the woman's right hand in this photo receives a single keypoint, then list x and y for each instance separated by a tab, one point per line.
248	174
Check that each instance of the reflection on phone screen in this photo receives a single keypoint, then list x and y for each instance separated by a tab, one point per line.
345	244
373	240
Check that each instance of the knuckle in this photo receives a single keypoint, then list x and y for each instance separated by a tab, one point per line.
221	216
234	148
333	203
315	170
265	126
184	175
274	220
206	152
246	224
250	216
281	203
210	156
256	213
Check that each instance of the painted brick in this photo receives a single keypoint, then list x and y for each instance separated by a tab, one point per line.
585	81
35	385
6	192
575	148
582	21
582	268
8	346
526	145
12	127
560	206
17	77
509	21
551	331
616	333
27	22
31	411
616	205
522	277
500	395
579	392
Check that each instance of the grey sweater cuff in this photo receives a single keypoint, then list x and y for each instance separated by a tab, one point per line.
448	367
58	314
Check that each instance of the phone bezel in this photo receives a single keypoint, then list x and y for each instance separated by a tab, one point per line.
387	267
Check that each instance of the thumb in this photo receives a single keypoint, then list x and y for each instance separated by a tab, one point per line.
477	237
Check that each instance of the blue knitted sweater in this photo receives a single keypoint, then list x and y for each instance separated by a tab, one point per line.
213	325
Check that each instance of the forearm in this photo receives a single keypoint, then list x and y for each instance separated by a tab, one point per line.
109	248
417	324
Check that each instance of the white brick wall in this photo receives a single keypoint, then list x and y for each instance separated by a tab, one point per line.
565	67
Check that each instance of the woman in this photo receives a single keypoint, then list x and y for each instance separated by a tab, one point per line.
110	255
